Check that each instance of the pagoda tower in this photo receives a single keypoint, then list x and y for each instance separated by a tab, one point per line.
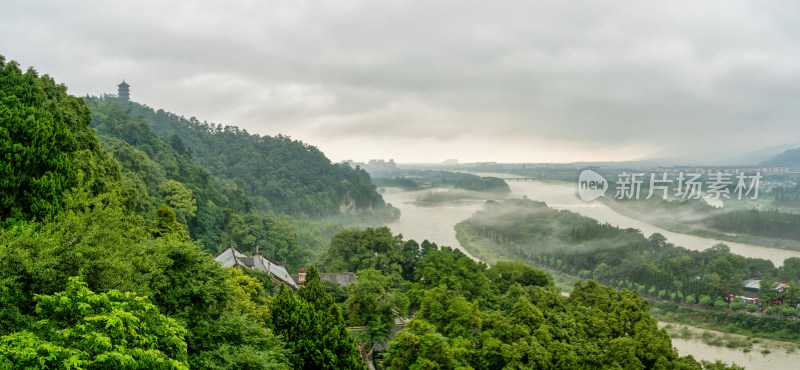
124	92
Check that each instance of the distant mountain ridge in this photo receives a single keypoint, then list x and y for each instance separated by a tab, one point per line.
789	158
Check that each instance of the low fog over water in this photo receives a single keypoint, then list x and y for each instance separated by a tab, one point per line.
436	222
562	196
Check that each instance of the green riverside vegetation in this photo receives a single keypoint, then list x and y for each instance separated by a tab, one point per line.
566	241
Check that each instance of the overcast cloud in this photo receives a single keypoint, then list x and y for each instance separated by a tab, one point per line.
513	81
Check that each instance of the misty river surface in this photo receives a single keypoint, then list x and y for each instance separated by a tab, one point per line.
432	222
436	222
562	196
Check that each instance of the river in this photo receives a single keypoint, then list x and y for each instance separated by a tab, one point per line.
781	355
436	223
562	196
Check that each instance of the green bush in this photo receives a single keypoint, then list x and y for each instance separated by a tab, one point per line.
773	310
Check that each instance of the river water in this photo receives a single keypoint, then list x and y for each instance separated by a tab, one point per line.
435	223
779	356
432	222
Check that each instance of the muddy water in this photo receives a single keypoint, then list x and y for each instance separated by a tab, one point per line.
432	222
782	355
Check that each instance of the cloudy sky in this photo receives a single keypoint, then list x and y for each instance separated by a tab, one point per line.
424	81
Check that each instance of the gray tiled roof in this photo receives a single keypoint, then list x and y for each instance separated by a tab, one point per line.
231	257
278	271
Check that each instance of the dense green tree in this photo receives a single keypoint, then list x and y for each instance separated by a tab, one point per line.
450	312
78	328
166	224
354	250
767	291
790	271
46	145
505	273
179	198
455	270
235	341
419	346
372	304
313	328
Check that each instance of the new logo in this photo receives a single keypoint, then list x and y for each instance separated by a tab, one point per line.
591	185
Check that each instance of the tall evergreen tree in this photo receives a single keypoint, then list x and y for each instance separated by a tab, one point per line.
46	146
313	328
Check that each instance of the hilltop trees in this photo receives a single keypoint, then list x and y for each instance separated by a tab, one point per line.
277	173
46	146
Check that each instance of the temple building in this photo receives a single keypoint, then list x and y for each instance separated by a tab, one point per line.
343	279
124	92
231	257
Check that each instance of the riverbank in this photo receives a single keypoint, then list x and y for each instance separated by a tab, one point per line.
750	353
703	232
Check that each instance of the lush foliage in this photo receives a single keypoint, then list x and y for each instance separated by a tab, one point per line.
580	245
80	329
109	249
313	328
476	183
754	222
164	170
281	174
46	146
468	315
354	250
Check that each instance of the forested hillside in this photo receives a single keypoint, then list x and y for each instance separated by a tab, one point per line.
281	174
46	146
237	210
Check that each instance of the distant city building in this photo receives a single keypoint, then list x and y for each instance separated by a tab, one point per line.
124	92
381	164
726	170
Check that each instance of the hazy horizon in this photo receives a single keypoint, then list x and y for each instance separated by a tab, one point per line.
425	82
